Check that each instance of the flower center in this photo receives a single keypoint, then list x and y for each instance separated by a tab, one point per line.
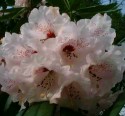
46	28
69	50
2	61
50	34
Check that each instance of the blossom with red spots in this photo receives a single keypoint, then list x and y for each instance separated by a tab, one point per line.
73	64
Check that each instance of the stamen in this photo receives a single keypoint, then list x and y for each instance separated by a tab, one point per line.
50	34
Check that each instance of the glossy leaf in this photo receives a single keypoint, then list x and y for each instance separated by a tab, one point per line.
8	103
11	10
115	109
20	113
7	17
90	14
12	110
41	109
12	13
121	41
118	105
98	8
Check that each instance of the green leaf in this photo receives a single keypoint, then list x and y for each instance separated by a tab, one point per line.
12	13
118	105
11	10
12	110
90	14
3	4
121	41
3	98
18	24
19	13
8	103
74	4
69	112
67	4
98	8
41	109
35	2
10	2
7	16
20	113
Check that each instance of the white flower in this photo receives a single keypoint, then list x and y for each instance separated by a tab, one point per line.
104	70
99	29
11	86
100	26
73	94
70	45
15	49
74	42
43	75
71	64
44	23
21	3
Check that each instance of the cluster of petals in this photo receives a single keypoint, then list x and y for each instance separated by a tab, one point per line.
73	64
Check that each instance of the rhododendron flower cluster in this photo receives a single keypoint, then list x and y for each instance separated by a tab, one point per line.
73	64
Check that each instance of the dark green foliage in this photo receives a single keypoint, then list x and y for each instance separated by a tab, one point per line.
69	112
3	4
118	23
10	2
116	107
3	98
41	109
12	110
